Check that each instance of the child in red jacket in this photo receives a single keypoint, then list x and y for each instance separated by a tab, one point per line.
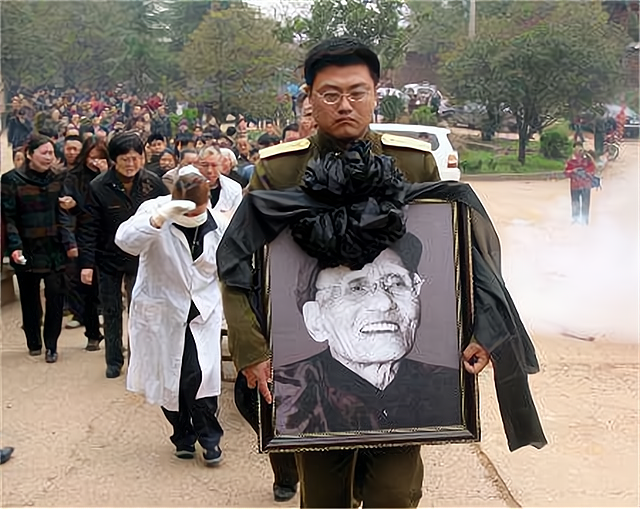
581	170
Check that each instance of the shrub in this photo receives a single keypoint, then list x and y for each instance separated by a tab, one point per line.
555	143
391	108
424	116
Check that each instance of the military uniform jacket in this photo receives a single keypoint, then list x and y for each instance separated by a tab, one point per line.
282	167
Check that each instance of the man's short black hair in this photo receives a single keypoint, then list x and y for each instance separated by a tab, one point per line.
266	140
291	127
123	143
155	137
340	51
231	131
73	137
188	151
408	248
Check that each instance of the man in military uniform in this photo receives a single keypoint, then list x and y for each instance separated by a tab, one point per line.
341	75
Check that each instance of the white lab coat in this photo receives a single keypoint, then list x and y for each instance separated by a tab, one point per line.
168	280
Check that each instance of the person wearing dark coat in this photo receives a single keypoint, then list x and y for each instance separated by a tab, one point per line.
40	240
113	197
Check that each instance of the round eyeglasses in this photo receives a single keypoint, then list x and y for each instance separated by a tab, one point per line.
332	98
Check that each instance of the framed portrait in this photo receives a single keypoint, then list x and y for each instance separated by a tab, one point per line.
372	357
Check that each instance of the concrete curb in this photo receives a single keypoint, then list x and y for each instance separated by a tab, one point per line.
548	175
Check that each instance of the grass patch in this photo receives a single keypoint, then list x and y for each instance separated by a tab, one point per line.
487	162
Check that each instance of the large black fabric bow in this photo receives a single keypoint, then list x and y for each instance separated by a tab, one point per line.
366	193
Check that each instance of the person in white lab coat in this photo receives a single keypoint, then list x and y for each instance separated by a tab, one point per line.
176	311
225	193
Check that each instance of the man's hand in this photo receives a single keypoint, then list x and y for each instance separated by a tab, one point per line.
475	358
67	202
17	257
260	375
72	253
86	276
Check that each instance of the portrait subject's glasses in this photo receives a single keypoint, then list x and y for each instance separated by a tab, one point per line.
332	98
397	285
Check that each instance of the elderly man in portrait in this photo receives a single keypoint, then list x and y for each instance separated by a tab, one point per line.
363	380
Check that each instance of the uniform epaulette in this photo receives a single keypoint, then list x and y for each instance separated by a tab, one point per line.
392	140
285	148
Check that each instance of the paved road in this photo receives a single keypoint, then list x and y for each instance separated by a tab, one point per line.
82	440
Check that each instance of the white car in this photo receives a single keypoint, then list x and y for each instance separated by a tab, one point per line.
446	157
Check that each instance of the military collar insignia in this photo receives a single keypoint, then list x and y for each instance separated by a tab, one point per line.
391	140
285	148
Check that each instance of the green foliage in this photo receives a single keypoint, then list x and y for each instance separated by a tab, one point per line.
488	162
391	108
378	23
234	61
547	70
424	116
555	144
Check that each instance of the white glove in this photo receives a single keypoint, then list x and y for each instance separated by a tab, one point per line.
174	208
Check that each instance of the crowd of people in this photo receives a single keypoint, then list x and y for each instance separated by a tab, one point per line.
170	226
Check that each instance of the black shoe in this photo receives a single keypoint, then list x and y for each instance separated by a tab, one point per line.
35	353
93	345
51	357
113	371
284	493
212	456
186	452
5	454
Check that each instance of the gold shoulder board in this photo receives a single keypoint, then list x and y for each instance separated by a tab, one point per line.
392	140
285	148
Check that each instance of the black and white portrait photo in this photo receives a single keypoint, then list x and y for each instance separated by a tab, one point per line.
366	350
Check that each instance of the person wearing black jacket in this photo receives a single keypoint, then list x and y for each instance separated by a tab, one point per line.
113	197
39	240
92	161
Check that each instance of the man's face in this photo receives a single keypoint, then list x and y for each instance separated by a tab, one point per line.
270	129
291	135
157	147
137	111
340	116
242	126
188	159
75	119
71	150
211	167
308	124
129	164
197	132
368	316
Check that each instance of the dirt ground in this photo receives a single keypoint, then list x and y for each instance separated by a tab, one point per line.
82	440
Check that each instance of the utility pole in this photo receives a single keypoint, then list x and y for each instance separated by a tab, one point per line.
472	19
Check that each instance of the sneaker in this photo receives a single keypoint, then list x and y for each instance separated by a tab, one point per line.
73	324
51	357
212	456
35	353
93	345
186	452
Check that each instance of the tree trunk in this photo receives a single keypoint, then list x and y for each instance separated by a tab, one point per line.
523	137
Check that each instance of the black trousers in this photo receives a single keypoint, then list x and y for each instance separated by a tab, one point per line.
378	477
580	204
283	464
110	288
30	303
75	291
90	294
196	418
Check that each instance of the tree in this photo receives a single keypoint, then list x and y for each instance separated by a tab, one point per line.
381	24
70	43
545	71
234	60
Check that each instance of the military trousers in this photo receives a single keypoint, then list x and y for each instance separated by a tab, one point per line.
377	477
